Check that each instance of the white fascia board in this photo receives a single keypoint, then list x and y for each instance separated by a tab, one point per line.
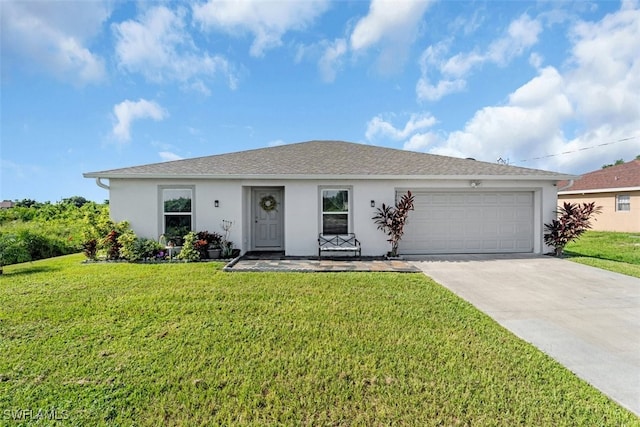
598	190
333	177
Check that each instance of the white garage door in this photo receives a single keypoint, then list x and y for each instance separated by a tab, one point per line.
470	222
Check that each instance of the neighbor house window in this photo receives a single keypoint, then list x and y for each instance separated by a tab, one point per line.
177	213
623	202
335	211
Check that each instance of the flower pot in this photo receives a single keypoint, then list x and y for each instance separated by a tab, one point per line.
213	253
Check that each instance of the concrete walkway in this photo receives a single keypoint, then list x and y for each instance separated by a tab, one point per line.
585	318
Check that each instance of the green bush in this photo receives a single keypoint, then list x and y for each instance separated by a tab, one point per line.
32	230
189	250
26	244
13	250
138	248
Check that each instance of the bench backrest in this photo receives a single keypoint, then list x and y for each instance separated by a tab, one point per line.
337	240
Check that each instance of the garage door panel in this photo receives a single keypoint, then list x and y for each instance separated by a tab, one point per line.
469	222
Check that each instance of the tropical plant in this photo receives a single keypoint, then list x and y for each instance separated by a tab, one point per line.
212	239
573	220
189	252
90	249
127	242
134	248
392	220
207	241
225	244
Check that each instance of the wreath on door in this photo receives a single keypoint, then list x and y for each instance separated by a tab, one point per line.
268	203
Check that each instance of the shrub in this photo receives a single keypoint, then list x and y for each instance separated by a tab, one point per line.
189	252
45	230
127	242
573	220
13	250
111	244
392	219
144	249
90	249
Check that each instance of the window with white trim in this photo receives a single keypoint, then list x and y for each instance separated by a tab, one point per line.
177	213
623	203
335	211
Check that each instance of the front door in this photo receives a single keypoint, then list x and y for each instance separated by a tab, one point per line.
267	218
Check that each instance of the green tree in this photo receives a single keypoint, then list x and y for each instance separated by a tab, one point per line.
616	163
77	201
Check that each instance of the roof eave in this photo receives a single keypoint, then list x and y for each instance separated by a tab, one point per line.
599	190
289	177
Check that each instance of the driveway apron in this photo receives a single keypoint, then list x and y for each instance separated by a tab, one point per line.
586	318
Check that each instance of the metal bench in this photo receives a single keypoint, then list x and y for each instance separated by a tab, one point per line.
338	243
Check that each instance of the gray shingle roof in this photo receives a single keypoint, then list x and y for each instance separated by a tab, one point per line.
328	159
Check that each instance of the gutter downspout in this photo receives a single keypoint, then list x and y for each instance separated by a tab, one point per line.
102	184
569	185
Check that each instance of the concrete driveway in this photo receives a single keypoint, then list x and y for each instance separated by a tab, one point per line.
585	318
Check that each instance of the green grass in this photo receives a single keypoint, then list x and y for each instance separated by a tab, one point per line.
619	252
187	344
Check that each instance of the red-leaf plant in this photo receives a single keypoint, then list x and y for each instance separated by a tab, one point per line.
392	219
573	220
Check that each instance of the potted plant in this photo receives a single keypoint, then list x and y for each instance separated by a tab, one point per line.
392	219
209	244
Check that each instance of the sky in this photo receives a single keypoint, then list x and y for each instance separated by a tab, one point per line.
95	85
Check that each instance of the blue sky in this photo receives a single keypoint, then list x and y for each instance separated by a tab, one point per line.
95	85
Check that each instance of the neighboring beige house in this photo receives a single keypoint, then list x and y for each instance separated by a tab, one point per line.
280	199
616	189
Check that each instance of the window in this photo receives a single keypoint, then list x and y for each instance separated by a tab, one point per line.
335	211
177	213
623	202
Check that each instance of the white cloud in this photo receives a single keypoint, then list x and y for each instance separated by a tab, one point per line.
168	156
531	120
275	143
391	24
396	20
55	35
521	34
331	60
390	27
606	80
378	127
128	111
570	120
422	141
430	92
267	21
159	47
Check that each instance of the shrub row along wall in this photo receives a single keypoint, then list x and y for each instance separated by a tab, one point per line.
32	231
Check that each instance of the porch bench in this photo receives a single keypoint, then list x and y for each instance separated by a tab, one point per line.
338	243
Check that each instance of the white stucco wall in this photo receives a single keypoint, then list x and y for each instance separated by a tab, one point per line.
137	201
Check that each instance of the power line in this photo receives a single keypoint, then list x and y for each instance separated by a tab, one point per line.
575	151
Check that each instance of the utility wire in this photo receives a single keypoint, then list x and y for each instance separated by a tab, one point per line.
575	151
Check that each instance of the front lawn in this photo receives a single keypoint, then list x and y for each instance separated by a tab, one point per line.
187	344
619	252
